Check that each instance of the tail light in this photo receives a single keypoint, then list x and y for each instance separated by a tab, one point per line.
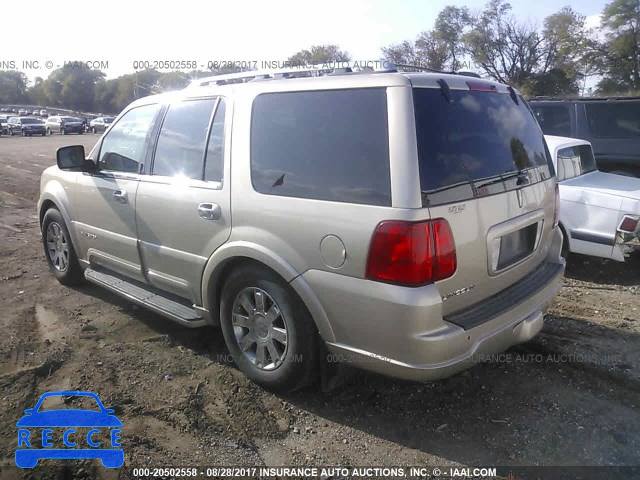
629	224
412	253
556	210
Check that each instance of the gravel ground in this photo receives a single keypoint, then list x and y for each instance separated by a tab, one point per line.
571	396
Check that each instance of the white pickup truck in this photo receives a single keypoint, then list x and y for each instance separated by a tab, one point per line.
599	212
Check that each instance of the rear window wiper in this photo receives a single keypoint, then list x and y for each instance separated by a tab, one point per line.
521	175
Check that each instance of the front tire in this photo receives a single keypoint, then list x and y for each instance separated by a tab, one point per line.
267	329
59	252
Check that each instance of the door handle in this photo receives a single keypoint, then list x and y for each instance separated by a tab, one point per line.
120	196
210	211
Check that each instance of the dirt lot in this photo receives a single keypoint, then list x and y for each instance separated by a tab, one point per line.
569	397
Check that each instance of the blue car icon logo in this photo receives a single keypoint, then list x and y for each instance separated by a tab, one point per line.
32	447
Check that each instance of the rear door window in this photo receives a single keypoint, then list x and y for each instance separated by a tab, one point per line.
575	161
554	119
477	144
614	119
183	137
326	145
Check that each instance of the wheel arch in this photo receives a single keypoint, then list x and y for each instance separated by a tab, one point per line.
54	196
232	256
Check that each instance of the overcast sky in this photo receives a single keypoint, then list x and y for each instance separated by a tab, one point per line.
123	31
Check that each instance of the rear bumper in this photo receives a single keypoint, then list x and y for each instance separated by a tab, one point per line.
401	332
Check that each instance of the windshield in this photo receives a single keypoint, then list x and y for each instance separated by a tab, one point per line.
478	144
78	402
69	119
614	119
30	121
108	119
575	161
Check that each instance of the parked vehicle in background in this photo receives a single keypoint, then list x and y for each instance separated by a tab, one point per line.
100	124
64	125
407	254
611	125
36	112
599	211
22	112
4	128
25	126
44	113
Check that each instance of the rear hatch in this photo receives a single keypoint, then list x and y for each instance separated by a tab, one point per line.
484	166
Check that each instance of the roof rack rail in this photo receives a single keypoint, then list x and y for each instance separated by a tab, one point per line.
433	70
254	75
316	71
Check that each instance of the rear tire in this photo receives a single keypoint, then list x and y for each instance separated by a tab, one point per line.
259	311
59	252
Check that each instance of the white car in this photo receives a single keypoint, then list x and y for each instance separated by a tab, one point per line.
599	212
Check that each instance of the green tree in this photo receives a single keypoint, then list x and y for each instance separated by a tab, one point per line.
437	49
448	31
570	54
319	54
621	22
36	94
13	86
403	53
72	86
504	49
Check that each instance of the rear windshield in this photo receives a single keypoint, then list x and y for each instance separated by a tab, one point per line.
615	119
575	161
30	121
476	144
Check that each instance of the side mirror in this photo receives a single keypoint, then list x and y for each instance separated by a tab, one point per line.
72	157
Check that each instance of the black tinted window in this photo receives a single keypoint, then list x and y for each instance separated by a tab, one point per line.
215	149
575	161
614	119
180	149
327	145
554	119
477	144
